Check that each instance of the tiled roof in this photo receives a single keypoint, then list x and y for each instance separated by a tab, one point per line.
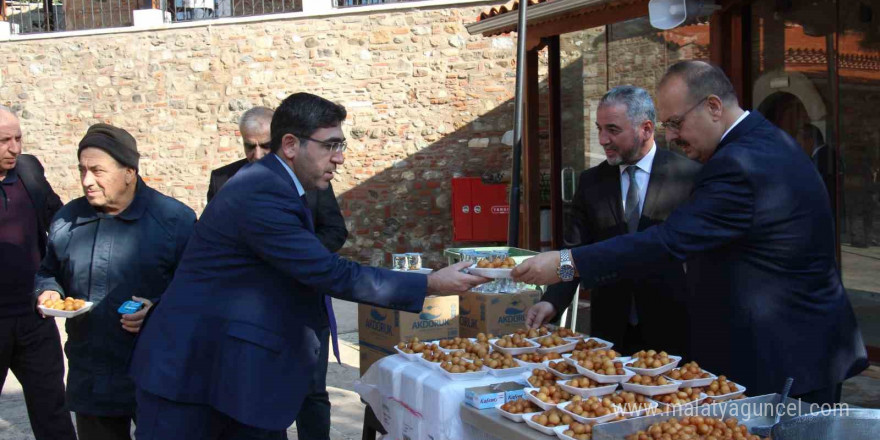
512	5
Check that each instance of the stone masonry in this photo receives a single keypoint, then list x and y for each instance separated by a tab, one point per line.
426	102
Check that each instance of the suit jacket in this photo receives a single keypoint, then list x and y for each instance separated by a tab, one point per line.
237	329
767	299
597	215
329	224
46	202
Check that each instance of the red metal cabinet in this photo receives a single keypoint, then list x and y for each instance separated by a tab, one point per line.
479	211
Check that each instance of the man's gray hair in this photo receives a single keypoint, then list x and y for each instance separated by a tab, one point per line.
638	102
256	117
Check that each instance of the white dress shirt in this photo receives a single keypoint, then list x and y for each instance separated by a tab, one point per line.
643	175
738	120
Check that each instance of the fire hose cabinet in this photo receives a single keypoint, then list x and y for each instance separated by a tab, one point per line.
479	210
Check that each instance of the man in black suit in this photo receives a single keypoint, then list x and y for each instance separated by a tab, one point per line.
29	345
313	421
648	311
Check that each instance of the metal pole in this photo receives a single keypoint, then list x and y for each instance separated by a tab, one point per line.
513	219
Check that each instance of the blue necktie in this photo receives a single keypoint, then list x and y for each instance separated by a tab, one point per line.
328	302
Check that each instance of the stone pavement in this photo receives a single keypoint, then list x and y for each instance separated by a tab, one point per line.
347	413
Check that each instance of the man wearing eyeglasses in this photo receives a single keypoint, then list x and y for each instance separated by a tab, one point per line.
255	136
767	300
234	347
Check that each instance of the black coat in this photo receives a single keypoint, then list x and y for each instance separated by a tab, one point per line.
46	202
329	224
758	236
597	215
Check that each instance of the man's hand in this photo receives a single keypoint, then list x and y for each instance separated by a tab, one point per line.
132	322
449	279
539	314
539	270
46	296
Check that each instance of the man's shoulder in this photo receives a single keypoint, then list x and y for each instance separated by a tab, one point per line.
71	210
678	161
28	164
168	207
229	169
599	172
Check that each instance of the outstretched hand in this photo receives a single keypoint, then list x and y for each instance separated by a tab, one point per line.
450	279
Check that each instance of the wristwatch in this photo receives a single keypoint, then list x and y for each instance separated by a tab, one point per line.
565	271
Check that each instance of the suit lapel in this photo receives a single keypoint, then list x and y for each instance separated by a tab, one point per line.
273	164
611	191
655	185
36	192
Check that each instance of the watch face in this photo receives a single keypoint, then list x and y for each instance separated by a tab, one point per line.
566	273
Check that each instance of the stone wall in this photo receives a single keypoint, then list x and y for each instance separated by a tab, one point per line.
426	102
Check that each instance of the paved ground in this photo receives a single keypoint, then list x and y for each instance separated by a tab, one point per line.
347	409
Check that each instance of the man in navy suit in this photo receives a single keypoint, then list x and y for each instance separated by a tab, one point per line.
231	350
766	297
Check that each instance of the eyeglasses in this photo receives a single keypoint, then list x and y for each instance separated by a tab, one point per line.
675	123
333	146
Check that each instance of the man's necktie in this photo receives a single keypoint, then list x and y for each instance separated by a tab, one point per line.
632	215
328	302
631	210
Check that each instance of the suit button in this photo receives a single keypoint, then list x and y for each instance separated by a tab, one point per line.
317	351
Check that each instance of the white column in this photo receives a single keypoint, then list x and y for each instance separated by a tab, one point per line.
317	6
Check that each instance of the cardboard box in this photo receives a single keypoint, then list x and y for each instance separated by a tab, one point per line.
369	356
496	313
380	329
489	396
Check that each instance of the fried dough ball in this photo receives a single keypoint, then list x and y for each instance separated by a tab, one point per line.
721	386
552	418
521	406
688	371
695	428
579	431
649	359
540	378
537	358
601	362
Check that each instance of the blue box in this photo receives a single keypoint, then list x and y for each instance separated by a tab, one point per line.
490	396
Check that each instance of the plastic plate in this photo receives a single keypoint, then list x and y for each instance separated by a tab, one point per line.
694	383
518	418
655	371
740	390
604	378
514	350
587	392
540	428
652	390
544	405
485	272
582	419
67	314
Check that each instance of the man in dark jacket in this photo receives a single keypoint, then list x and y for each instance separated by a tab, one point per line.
649	311
313	421
767	300
29	346
120	242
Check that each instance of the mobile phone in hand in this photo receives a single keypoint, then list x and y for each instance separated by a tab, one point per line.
130	307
